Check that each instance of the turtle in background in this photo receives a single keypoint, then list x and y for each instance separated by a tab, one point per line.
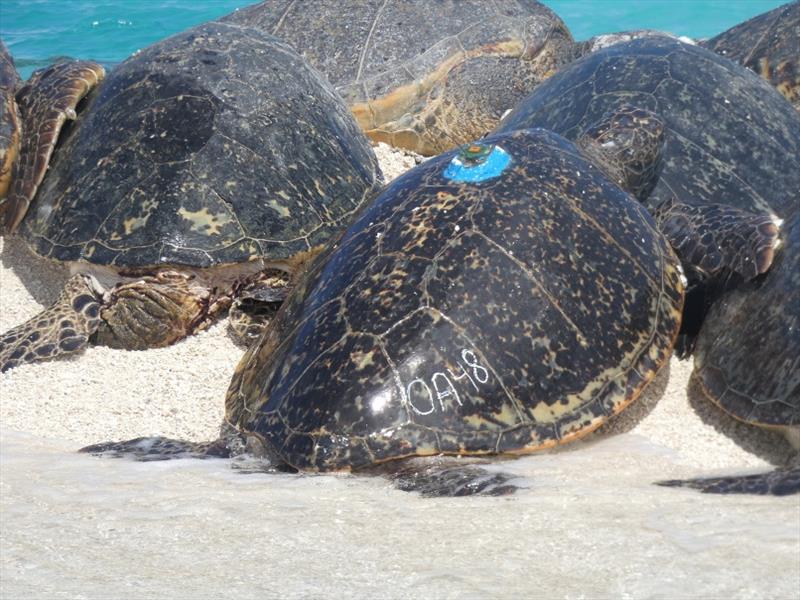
604	40
495	300
207	168
732	154
768	44
420	75
747	361
31	117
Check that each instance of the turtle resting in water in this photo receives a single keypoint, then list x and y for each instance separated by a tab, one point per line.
31	117
497	300
207	167
732	154
424	76
769	44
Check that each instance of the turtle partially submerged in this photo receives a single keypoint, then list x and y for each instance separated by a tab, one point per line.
207	167
425	76
732	165
769	44
31	118
500	299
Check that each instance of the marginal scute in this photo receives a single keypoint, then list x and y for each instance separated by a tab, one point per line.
534	305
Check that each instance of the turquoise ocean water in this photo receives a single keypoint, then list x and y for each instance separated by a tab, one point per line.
38	31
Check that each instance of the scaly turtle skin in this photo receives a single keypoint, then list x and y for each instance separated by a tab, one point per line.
731	160
31	117
425	76
497	300
769	44
203	165
9	118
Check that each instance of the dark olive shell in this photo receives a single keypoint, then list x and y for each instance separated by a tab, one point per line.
747	357
502	315
730	137
218	145
423	75
768	44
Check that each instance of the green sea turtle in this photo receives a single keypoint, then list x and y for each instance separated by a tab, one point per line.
769	44
31	117
499	299
207	166
747	361
732	154
425	76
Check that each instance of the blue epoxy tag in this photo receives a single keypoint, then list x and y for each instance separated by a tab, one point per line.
477	162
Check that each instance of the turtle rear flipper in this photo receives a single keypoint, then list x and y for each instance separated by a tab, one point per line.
715	239
47	100
62	328
780	482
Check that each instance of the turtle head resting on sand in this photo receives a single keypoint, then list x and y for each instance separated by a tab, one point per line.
159	236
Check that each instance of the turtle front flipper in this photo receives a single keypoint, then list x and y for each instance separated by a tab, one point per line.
47	100
63	328
449	480
255	305
780	482
716	239
147	449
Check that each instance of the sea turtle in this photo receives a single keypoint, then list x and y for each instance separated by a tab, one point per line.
769	44
204	167
732	154
498	299
604	40
747	361
424	76
31	117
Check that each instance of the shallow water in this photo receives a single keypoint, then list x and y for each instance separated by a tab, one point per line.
37	31
589	525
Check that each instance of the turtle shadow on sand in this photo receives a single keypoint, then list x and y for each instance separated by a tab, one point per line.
41	278
770	446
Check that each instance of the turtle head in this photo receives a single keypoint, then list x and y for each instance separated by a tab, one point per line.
627	145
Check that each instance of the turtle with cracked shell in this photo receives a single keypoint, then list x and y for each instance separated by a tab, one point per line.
208	166
732	154
768	44
424	76
31	117
495	300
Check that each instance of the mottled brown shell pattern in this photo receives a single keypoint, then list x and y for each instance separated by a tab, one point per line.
768	44
498	316
422	75
218	145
